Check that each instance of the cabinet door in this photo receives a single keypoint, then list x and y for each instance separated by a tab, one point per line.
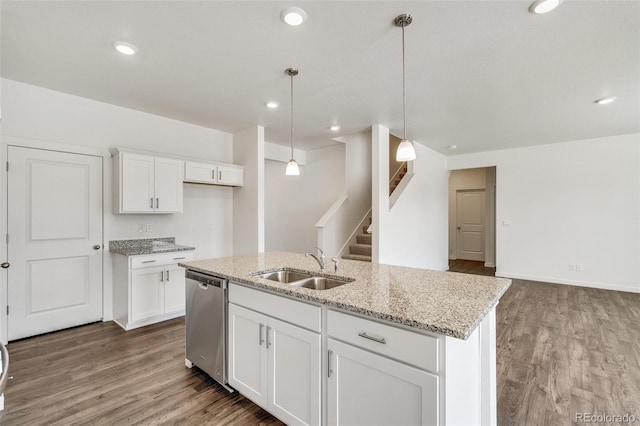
200	172
294	373
230	175
147	293
174	292
248	353
136	183
169	175
368	389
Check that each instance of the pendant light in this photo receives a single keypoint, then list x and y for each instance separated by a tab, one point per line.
406	151
292	166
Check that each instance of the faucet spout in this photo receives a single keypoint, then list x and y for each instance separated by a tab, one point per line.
320	260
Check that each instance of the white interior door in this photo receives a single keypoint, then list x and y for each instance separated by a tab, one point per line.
470	225
54	214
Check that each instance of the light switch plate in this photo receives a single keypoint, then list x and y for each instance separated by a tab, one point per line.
141	227
149	227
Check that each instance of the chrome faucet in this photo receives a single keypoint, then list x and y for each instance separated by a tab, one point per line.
320	259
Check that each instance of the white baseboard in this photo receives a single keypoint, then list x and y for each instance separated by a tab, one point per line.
603	286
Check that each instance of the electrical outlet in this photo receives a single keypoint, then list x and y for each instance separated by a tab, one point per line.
211	227
149	227
572	267
579	267
141	227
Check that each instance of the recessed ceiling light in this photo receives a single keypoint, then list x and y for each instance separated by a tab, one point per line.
293	16
334	128
544	6
273	104
453	146
605	101
125	48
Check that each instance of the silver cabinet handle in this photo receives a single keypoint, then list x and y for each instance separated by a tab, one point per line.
5	265
330	370
157	203
167	275
162	276
151	202
260	339
213	174
220	175
375	339
97	247
268	343
148	261
179	258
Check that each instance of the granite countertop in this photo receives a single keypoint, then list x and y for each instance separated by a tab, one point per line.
146	246
446	303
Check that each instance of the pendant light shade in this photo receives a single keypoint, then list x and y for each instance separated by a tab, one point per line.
406	151
292	166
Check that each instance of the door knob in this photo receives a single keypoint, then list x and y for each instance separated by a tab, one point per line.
458	227
96	247
5	265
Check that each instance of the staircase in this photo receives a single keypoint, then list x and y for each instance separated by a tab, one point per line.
362	249
395	180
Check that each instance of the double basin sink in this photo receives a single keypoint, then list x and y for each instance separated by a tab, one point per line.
303	279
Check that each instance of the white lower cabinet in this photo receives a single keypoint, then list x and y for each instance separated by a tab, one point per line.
148	288
364	388
276	365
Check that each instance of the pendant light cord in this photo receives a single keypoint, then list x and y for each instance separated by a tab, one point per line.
404	92
291	128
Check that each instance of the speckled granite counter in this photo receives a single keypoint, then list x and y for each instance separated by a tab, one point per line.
146	246
441	302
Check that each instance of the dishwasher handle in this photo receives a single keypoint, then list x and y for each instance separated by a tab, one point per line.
206	280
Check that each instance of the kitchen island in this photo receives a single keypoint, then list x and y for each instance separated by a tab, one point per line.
396	345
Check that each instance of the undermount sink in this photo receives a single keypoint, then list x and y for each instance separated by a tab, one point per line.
303	279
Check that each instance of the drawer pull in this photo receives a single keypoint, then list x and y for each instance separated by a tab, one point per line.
179	258
375	339
148	261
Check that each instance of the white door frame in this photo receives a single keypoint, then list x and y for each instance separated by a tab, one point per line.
7	141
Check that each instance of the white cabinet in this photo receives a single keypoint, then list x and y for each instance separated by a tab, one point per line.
364	388
148	288
275	364
147	184
214	174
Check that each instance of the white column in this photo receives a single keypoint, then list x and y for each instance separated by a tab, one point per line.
379	189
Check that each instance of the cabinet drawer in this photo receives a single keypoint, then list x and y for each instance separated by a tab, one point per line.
146	260
412	348
299	313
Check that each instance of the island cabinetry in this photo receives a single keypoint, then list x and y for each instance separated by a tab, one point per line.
147	184
148	288
214	174
379	374
271	361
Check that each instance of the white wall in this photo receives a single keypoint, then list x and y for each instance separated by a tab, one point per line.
35	114
248	202
37	117
568	203
293	204
413	232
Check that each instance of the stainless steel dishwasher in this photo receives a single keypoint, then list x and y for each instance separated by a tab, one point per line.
206	325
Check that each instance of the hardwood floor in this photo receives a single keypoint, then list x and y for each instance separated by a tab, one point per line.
470	267
561	350
99	374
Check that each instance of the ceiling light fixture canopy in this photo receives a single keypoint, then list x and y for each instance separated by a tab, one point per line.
125	48
544	6
292	166
293	16
406	151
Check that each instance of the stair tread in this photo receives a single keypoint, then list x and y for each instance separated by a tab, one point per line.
357	257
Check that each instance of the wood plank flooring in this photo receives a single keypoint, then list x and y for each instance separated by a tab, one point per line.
561	350
470	267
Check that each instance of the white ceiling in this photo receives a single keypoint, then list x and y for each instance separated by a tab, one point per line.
482	75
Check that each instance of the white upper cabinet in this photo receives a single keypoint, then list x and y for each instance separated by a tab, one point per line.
147	184
214	174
